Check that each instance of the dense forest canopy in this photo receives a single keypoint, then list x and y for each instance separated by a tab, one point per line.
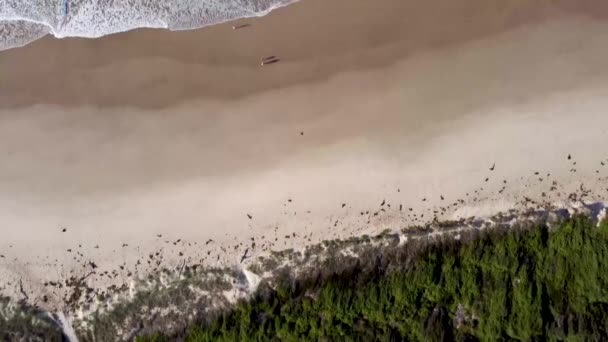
526	284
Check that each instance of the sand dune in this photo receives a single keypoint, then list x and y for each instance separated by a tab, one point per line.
184	135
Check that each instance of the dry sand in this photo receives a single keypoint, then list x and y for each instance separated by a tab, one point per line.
135	141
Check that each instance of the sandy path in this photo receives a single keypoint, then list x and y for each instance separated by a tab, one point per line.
427	125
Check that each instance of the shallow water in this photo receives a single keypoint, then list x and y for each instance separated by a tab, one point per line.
23	22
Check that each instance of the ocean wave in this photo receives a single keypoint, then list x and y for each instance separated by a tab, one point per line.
22	22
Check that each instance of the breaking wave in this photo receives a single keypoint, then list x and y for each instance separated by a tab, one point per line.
22	22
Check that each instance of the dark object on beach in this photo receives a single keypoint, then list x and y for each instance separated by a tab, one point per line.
487	179
270	61
244	255
236	27
343	205
493	166
301	132
63	230
383	202
569	157
268	58
441	196
250	217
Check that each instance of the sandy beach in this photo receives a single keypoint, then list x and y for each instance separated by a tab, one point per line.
379	115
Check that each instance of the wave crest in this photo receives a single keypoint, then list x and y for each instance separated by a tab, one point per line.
23	22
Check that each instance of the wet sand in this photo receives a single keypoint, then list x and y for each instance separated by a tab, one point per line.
315	39
137	140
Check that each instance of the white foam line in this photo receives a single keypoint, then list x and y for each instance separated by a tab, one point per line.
56	31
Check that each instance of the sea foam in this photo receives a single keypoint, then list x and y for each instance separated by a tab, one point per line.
23	21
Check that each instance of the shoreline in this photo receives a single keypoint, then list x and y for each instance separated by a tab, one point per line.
66	19
176	68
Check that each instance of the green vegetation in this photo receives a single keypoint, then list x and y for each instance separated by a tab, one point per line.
177	296
26	323
526	284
